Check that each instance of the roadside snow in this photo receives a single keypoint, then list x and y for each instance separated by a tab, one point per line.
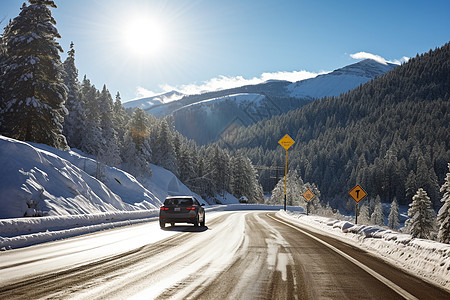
425	258
40	180
23	232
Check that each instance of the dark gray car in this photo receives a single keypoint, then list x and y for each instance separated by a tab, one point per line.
181	209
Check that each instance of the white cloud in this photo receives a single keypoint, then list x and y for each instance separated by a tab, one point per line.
366	55
227	82
142	92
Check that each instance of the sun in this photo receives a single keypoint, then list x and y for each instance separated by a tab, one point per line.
144	37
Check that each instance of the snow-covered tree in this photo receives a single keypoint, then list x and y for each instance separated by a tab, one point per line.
33	108
2	69
92	135
163	148
109	149
121	119
377	217
421	219
393	215
364	216
186	166
137	151
295	188
218	170
74	122
244	180
444	212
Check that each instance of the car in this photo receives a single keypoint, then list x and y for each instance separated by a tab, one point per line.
181	209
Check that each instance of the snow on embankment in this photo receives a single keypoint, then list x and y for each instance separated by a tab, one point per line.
23	232
34	177
425	258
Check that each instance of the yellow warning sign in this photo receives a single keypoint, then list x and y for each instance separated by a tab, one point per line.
308	195
286	142
357	193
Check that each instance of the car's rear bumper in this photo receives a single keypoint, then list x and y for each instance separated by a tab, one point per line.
181	218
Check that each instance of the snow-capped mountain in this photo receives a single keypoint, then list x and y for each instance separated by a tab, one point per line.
338	81
208	117
154	101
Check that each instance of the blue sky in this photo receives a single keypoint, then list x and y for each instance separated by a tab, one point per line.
208	44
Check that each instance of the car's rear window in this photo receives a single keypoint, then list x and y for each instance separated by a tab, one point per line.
178	201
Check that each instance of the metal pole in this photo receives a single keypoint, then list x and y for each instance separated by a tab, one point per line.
356	213
285	182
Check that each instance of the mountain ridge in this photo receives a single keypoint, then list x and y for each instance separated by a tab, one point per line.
362	71
208	117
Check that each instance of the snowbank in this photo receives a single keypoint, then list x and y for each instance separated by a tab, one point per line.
40	180
425	258
23	232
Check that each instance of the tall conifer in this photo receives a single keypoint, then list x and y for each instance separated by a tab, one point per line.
33	108
444	212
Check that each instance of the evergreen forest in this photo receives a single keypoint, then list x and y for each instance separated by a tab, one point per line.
390	135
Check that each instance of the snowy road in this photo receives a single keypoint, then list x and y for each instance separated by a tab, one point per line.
240	255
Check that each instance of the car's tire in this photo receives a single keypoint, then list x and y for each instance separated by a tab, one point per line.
162	224
172	224
196	222
202	223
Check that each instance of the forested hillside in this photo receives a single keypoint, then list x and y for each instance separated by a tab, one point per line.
42	101
391	135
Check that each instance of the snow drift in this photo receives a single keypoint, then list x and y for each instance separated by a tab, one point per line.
41	180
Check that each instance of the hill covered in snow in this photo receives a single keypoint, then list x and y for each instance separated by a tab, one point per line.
41	180
207	117
339	81
154	101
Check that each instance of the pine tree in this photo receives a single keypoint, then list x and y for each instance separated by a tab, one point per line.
295	187
137	153
74	122
421	216
109	149
393	215
34	100
218	169
163	148
444	212
2	70
377	217
121	119
92	135
185	164
364	217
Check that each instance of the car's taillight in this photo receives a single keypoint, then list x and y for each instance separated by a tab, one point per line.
190	208
164	208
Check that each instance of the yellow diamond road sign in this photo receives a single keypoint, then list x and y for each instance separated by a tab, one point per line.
308	195
286	142
357	193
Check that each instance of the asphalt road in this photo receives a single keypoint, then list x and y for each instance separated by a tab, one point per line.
239	255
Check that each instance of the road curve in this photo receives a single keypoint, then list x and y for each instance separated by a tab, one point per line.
240	255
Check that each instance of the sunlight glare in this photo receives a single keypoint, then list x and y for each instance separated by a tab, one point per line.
144	37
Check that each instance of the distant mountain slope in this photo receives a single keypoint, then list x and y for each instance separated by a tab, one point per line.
205	119
332	84
154	101
339	81
391	135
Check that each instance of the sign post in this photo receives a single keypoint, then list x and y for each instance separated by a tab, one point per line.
286	142
357	193
308	195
